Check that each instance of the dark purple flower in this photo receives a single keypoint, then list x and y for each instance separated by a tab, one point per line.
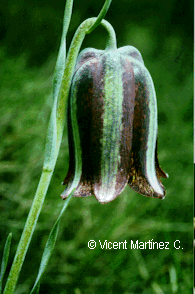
116	112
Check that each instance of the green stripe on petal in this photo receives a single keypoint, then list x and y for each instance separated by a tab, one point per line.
112	127
152	137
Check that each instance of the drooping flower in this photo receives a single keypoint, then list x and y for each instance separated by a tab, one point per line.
116	111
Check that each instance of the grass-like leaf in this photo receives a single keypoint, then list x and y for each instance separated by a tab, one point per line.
5	259
49	247
46	255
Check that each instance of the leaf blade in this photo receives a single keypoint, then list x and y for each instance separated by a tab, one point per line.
5	259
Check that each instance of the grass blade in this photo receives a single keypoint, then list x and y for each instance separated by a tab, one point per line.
5	259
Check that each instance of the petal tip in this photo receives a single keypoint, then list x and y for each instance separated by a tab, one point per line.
63	195
104	197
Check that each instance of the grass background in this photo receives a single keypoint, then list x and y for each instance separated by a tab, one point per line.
30	38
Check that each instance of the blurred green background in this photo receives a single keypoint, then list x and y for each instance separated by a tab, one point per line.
30	37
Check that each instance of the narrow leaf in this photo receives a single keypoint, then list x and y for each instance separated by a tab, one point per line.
61	59
5	259
46	256
49	248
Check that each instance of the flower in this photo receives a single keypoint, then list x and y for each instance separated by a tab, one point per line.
116	111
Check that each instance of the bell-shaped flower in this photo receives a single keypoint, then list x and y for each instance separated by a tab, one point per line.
116	112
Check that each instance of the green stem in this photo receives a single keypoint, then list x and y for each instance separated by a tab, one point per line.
27	232
100	15
111	39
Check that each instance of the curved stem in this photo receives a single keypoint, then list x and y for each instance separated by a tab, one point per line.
100	16
111	40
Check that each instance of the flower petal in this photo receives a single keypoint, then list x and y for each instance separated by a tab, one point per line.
144	177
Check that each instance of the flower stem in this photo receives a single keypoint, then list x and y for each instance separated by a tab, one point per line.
28	231
100	15
111	39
